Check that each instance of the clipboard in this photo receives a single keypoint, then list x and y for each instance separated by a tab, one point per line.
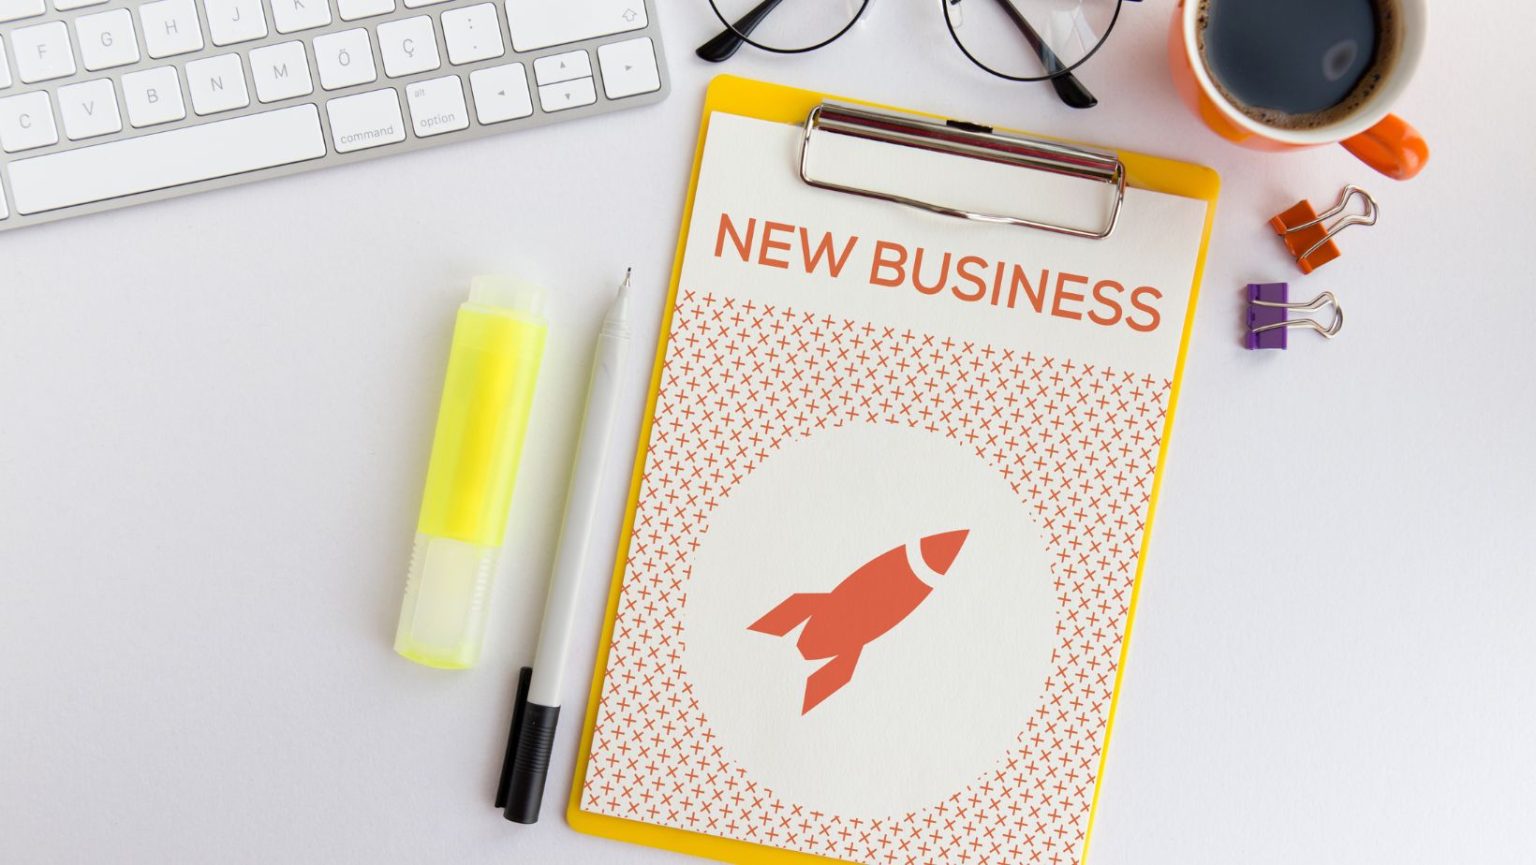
1110	172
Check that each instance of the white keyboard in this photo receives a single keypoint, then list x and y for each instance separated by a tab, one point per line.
105	103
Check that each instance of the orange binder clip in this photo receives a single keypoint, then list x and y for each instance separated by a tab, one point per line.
1302	228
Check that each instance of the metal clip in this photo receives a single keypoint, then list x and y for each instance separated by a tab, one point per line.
1302	225
971	141
1268	321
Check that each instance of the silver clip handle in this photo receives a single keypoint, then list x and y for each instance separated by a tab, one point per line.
968	141
1313	305
1366	217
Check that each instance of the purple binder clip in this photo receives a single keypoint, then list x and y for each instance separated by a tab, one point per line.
1269	307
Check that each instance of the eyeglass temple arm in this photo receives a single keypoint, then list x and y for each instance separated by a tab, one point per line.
720	48
1071	91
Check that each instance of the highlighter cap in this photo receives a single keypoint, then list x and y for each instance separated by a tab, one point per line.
488	391
447	597
514	295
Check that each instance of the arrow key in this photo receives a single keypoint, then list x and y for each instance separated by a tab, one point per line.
562	67
501	93
567	94
629	68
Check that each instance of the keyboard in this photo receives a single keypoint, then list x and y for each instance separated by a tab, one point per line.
107	103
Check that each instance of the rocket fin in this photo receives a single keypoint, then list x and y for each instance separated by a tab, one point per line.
827	680
788	615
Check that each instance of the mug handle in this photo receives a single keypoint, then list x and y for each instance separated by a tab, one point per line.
1392	147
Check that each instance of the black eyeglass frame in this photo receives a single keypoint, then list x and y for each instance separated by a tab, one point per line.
1071	91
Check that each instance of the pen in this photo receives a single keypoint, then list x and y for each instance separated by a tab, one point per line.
537	709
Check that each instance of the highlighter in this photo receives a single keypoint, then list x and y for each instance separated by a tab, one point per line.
493	365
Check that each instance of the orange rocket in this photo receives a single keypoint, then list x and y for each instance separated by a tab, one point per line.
872	600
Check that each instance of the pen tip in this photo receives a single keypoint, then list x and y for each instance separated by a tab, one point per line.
618	311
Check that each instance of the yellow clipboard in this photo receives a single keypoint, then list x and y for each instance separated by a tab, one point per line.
772	102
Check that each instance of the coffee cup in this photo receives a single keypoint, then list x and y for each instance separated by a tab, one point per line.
1360	121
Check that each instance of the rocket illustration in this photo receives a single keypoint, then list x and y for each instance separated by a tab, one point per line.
871	601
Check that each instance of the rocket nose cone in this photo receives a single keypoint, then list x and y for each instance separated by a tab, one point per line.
939	551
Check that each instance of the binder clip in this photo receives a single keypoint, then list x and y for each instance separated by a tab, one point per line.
1305	234
1268	320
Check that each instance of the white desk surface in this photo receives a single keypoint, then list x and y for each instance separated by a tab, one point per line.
215	415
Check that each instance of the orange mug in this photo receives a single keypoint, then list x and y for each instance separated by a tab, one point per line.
1381	140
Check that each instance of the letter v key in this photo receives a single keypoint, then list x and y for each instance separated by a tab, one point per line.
77	106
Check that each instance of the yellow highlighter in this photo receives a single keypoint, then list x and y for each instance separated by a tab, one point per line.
498	340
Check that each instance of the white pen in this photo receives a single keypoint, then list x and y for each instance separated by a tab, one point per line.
537	710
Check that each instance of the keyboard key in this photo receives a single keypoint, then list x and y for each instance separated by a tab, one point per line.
629	68
170	28
408	46
501	93
153	96
66	5
89	109
166	159
5	69
365	120
437	106
291	16
107	40
345	59
539	24
26	122
281	72
567	94
234	21
42	52
562	67
12	10
472	33
351	10
217	84
417	4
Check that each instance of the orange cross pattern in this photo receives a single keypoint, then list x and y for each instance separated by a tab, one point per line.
1077	442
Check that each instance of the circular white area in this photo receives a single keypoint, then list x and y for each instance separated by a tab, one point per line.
935	701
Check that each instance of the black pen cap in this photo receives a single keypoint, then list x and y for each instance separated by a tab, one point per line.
525	767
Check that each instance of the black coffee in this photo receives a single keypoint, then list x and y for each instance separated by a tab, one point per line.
1296	63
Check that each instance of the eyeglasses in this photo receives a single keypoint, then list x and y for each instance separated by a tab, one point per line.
1020	40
